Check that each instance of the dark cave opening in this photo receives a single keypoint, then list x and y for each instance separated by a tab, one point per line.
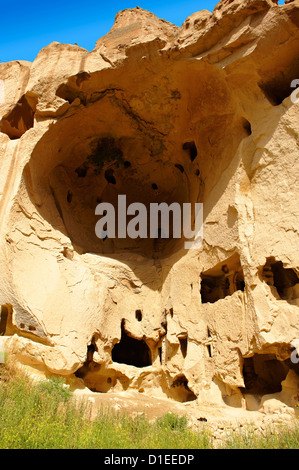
131	351
3	319
284	280
138	315
222	280
184	345
278	87
263	374
190	147
247	127
21	118
181	391
109	176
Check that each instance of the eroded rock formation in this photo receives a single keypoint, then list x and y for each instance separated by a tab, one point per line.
201	113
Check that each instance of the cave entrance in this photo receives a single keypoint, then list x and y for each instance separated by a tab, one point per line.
180	390
222	280
21	118
285	280
263	374
278	85
131	351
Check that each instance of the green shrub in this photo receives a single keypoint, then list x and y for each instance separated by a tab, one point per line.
173	422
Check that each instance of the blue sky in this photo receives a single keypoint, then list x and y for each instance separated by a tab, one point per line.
28	26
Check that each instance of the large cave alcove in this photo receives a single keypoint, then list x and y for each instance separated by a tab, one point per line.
152	144
264	374
85	165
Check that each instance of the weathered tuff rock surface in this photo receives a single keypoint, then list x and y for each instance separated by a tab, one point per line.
202	113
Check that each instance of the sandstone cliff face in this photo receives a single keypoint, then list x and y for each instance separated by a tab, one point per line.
202	113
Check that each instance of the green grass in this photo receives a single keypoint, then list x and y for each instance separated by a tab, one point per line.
280	437
44	415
